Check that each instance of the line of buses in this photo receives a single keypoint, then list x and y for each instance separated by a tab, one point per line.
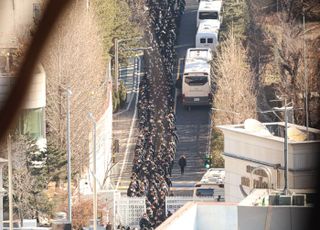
196	79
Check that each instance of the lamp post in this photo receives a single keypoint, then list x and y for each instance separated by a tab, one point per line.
305	76
94	172
2	190
69	93
10	183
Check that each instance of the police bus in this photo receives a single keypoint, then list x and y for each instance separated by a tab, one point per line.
196	79
209	11
207	35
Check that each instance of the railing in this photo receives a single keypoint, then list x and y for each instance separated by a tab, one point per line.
173	203
129	210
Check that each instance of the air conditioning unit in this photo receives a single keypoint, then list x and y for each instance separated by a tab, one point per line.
299	199
285	200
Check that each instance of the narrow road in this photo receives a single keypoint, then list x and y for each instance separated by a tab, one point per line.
192	125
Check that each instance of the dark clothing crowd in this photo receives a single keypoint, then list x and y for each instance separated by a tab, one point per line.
154	157
156	144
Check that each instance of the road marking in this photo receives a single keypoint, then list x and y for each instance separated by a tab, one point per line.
131	130
175	92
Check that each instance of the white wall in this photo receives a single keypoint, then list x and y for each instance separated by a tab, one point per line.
184	218
273	218
103	148
16	19
230	216
217	216
36	96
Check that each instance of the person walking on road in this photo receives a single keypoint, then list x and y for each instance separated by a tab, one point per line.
182	163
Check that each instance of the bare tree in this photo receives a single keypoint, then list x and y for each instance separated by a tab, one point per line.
74	59
235	99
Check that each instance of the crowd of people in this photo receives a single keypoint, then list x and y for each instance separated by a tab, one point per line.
154	156
156	144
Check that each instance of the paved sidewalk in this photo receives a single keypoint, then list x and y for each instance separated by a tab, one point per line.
125	128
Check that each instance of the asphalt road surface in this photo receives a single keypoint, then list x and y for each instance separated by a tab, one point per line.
192	126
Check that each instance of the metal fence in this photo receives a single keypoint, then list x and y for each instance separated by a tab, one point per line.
173	203
129	210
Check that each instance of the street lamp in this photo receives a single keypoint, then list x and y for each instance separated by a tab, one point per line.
94	172
69	93
306	86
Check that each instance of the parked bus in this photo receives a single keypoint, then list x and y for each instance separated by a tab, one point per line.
207	35
196	80
209	11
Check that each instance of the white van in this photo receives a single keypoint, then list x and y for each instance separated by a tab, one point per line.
209	11
207	34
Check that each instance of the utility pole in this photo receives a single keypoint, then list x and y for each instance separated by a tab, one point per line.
69	93
95	202
305	78
285	148
285	145
10	182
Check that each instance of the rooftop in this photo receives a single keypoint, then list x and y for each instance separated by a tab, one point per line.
270	197
275	131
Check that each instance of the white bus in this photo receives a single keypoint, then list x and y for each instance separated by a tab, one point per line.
196	80
209	11
207	35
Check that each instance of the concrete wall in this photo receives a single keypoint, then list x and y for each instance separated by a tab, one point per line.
273	218
184	218
217	216
16	19
36	96
103	149
230	216
7	31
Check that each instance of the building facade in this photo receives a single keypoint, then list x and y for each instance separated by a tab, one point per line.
255	160
17	20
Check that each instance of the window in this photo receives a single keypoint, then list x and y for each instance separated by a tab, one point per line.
208	15
210	40
31	122
36	12
202	40
205	192
196	80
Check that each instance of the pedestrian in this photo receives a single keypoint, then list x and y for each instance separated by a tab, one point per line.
182	163
144	222
109	226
